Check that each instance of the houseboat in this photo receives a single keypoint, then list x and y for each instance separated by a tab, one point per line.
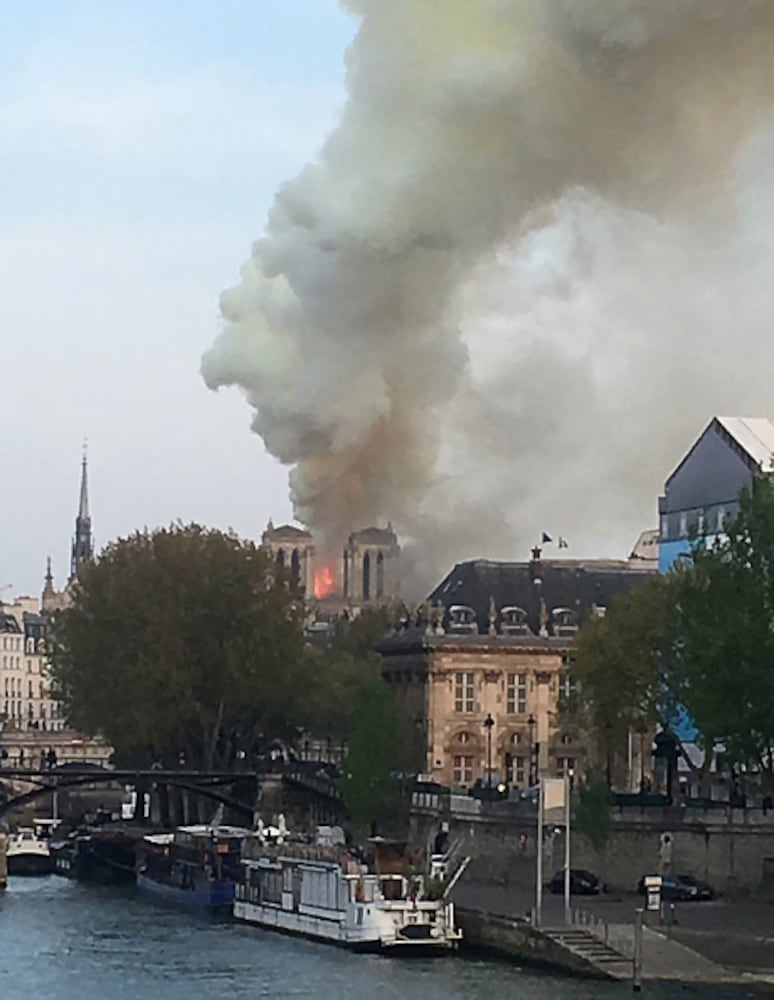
371	901
195	866
106	856
28	850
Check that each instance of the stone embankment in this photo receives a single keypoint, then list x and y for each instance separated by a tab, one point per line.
572	950
3	859
600	940
732	849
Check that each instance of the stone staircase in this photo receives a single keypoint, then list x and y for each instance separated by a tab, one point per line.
591	949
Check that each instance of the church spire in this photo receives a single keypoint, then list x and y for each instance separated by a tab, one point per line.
49	596
82	550
83	505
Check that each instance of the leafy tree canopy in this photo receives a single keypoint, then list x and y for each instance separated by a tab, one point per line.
593	814
182	640
699	640
341	672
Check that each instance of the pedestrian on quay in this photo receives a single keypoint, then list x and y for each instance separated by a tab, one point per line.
43	761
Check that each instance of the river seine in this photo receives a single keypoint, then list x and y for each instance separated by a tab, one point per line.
63	940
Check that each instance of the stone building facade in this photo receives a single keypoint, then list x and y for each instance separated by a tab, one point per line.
479	674
293	549
371	566
25	690
364	571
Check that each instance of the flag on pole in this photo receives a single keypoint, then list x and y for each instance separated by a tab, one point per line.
563	543
546	538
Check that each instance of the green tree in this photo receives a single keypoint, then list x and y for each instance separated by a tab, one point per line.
593	816
725	600
182	640
341	671
623	666
373	754
697	642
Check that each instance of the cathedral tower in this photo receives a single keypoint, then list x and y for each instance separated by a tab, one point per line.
82	549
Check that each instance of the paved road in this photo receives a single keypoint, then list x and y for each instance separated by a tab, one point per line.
736	933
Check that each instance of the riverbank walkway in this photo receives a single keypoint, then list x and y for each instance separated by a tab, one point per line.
669	954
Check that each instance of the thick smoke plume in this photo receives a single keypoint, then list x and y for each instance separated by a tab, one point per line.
522	272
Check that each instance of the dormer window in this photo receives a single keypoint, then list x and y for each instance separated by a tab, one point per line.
514	621
462	619
565	622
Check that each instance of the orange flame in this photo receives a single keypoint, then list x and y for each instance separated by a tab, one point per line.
323	582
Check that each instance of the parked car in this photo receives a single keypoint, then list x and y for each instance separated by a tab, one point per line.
489	788
680	888
582	882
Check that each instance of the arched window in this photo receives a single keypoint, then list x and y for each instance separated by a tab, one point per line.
346	573
367	577
281	557
295	564
380	576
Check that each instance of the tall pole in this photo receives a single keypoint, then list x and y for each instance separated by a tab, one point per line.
539	865
489	722
567	848
637	962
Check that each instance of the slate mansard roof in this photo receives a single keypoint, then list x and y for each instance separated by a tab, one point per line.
8	623
577	585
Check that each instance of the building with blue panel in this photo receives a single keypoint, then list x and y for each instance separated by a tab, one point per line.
702	494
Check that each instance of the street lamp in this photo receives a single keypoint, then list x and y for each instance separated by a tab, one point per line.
532	724
489	722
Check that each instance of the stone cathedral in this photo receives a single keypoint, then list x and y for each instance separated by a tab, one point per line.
364	571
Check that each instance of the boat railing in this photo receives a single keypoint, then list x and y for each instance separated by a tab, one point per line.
254	849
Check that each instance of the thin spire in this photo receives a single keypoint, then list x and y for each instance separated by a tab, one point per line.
83	544
49	574
83	505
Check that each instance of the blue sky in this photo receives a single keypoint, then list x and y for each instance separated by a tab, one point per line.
140	147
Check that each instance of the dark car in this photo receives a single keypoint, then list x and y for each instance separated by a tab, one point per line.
582	882
489	788
680	888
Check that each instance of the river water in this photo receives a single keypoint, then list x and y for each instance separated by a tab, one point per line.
63	940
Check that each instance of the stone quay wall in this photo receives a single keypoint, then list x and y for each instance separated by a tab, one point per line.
732	849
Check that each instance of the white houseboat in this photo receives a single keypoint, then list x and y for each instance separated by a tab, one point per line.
368	903
28	849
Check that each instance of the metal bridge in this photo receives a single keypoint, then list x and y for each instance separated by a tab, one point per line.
207	784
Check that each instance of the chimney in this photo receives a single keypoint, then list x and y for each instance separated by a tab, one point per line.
536	566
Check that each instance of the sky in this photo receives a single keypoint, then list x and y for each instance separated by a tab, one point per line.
140	147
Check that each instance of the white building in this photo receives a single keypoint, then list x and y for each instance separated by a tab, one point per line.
25	689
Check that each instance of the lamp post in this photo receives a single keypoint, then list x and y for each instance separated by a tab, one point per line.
532	724
489	722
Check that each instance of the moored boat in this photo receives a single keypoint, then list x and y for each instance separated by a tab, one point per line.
28	852
196	866
105	856
373	901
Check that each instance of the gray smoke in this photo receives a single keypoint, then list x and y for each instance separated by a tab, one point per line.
521	273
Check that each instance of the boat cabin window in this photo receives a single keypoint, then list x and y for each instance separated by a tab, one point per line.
393	887
363	890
